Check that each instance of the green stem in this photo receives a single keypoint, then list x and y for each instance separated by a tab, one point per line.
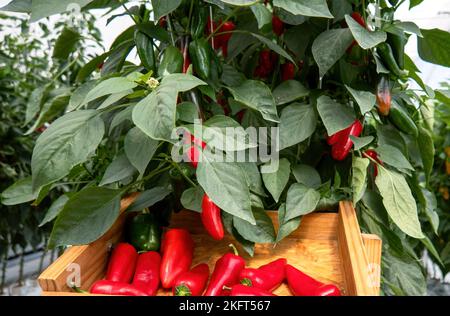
3	278
191	9
21	264
235	251
214	32
175	165
169	22
129	13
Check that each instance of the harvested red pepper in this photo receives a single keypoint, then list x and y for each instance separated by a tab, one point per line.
122	263
193	282
226	273
277	25
287	71
373	154
267	277
243	290
146	277
177	251
211	218
383	97
342	143
302	284
116	288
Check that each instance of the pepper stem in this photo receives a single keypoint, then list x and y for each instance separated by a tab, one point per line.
182	290
78	290
246	282
235	251
226	288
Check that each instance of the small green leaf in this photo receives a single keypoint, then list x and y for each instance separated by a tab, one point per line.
273	46
317	8
262	14
286	227
139	149
164	7
289	91
393	157
191	199
119	169
365	38
361	142
66	43
110	86
54	210
297	123
366	100
276	182
149	198
434	47
307	175
335	116
300	200
359	175
262	232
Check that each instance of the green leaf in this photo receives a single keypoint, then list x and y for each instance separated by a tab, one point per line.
35	102
262	14
286	227
110	86
67	142
273	46
429	245
393	157
54	210
139	149
253	177
86	216
361	142
426	148
366	100
149	198
19	192
276	182
434	47
187	112
307	175
22	6
192	198
297	123
121	117
365	38
226	185
43	8
429	207
66	43
256	95
317	8
78	96
164	7
262	232
240	2
289	91
300	200
398	201
87	69
335	116
329	47
359	175
119	169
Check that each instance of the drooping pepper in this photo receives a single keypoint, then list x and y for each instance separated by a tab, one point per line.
342	143
193	282
287	71
226	273
116	288
200	53
277	25
122	263
302	284
193	153
387	55
144	47
198	22
144	232
186	59
383	96
211	218
146	276
267	62
401	119
267	277
225	38
243	290
373	154
397	43
177	251
171	62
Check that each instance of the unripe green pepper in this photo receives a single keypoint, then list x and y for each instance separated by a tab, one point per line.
401	119
397	43
171	62
387	56
144	46
144	232
200	52
198	23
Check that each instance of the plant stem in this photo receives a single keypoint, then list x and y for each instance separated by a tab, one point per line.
129	13
21	264
4	265
44	253
169	22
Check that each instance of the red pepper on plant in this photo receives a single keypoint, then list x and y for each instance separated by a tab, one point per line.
302	284
177	251
122	263
146	276
342	143
383	97
193	282
193	153
277	25
226	273
211	218
116	288
267	277
225	38
287	71
186	59
373	154
243	290
266	65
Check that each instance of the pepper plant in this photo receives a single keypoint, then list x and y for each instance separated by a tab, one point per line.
332	76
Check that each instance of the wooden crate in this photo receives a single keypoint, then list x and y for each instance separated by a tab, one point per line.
327	246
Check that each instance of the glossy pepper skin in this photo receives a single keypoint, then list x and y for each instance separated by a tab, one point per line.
267	277
177	251
193	282
383	97
277	25
122	263
144	47
200	54
193	153
373	154
146	276
198	23
397	43
243	290
211	218
387	55
116	288
171	62
266	65
302	284
226	273
186	59
401	119
144	232
342	143
225	38
287	71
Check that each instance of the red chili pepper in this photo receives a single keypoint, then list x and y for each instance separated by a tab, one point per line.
277	25
243	290
267	277
162	22
193	151
224	38
122	263
383	97
177	251
146	277
211	27
267	62
287	71
186	59
373	154
226	273
211	218
193	282
302	284
240	115
342	144
116	288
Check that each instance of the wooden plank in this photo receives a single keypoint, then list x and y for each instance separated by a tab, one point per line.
353	255
373	246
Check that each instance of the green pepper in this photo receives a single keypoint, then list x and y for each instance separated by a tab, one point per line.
397	43
387	55
200	52
144	232
144	46
172	61
401	119
198	23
